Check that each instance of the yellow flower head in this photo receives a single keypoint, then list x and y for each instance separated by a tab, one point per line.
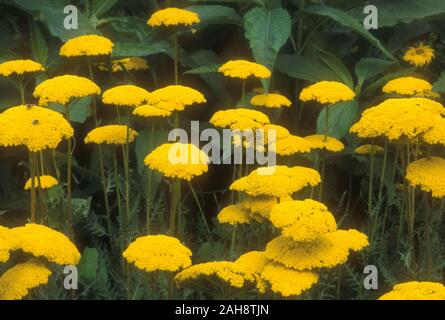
158	252
290	145
302	220
17	281
252	264
63	89
408	86
35	127
111	134
5	244
420	55
369	149
178	160
277	181
46	182
224	271
428	174
280	131
288	282
436	134
173	17
41	241
175	98
127	95
234	214
327	92
239	119
149	111
320	141
243	69
326	251
396	118
270	100
87	46
127	64
19	67
261	206
416	290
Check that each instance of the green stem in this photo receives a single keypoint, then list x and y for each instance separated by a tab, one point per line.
429	258
42	212
323	168
94	102
232	242
173	205
371	176
22	92
175	44
382	174
326	124
33	187
243	91
56	167
69	154
201	211
104	190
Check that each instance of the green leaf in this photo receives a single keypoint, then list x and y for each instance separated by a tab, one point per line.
88	265
336	65
395	12
341	117
304	68
439	85
79	111
267	31
99	7
367	68
215	14
129	49
211	68
348	21
381	82
38	43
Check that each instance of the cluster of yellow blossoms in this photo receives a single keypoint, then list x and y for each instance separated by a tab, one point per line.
416	290
243	69
87	46
173	17
111	134
19	67
42	182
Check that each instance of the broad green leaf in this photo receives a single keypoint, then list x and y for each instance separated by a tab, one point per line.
367	68
381	82
88	265
336	65
134	49
38	43
439	85
346	20
215	14
99	7
304	68
211	68
79	111
341	117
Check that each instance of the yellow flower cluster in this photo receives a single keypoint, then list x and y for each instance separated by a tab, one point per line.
63	89
288	282
178	160
175	98
416	290
428	174
239	119
327	92
270	100
158	252
173	17
125	64
46	182
5	244
259	206
420	55
320	141
16	282
436	134
225	271
34	127
369	149
111	134
125	95
234	214
41	241
276	181
149	111
290	145
302	220
396	118
252	264
19	67
326	251
243	69
408	86
87	45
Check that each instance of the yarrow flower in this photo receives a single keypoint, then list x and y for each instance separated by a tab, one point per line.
420	55
369	149
320	141
175	98
276	181
5	244
408	86
127	95
178	160
302	220
327	92
125	64
19	67
436	134
158	252
239	119
41	241
252	264
259	206
270	100
428	174
34	127
87	45
16	282
111	134
149	111
416	290
173	17
243	69
234	214
63	89
290	145
46	182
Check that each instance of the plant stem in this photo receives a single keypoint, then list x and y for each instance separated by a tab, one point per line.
42	212
429	258
69	154
201	211
104	190
243	91
323	168
117	183
33	187
173	205
382	174
326	123
232	242
56	167
175	44
22	92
